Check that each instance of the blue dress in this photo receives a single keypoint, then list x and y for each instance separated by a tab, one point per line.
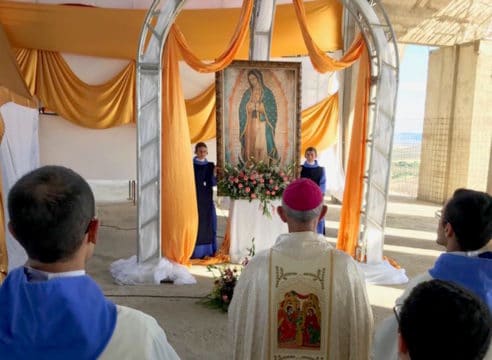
318	175
206	240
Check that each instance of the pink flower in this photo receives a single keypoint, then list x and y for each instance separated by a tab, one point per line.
252	177
236	180
282	173
240	186
267	192
225	298
254	182
270	181
262	180
253	196
275	188
247	189
273	193
286	178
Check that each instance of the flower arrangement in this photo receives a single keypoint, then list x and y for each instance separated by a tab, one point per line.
225	279
256	180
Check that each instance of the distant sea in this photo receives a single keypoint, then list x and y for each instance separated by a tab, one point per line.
407	137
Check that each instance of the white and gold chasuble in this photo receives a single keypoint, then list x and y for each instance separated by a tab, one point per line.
301	299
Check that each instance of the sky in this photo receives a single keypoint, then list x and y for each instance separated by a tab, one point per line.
412	88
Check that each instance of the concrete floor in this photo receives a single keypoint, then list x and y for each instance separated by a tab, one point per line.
197	332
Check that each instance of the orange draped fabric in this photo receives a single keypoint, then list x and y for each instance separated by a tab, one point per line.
319	125
201	115
348	232
10	76
321	61
179	208
94	106
114	33
9	96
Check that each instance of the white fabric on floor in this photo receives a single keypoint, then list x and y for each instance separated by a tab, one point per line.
248	222
19	154
383	274
129	272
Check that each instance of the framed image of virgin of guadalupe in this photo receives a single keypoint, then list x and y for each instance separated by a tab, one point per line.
258	114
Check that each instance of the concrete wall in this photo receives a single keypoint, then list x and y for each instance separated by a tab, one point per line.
457	125
95	154
440	85
479	170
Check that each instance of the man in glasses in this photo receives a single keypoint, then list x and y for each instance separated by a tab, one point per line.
50	308
465	230
441	320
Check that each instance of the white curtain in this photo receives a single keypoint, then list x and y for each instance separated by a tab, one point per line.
19	154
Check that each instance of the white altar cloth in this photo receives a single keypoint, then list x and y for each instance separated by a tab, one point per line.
247	222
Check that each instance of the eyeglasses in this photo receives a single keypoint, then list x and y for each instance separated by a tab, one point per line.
397	311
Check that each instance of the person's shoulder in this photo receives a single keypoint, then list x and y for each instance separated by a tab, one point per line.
411	284
135	318
133	322
137	335
259	258
342	260
342	256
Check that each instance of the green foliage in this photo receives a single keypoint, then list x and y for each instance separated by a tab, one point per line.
405	169
225	280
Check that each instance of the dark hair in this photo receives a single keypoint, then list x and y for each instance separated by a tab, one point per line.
199	145
311	149
470	214
257	74
50	209
441	320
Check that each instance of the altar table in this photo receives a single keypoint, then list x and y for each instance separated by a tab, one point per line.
247	222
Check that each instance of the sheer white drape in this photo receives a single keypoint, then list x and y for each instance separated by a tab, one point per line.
19	154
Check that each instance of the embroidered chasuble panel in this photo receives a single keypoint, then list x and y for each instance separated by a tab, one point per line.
300	297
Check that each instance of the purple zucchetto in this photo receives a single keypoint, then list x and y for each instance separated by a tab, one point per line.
302	195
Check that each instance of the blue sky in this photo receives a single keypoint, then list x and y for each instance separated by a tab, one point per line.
411	92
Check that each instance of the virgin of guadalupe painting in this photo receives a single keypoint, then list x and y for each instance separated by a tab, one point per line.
258	120
258	113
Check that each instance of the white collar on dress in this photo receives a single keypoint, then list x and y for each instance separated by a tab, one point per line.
39	275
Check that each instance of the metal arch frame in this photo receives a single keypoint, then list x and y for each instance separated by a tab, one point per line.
156	27
149	71
383	54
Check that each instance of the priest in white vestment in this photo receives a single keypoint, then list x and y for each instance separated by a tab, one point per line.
301	299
